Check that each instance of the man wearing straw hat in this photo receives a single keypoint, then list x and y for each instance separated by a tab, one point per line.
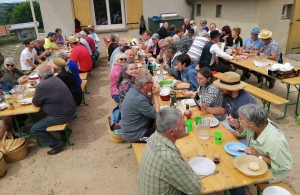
271	49
234	96
80	55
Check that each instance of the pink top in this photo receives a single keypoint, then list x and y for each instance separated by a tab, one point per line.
114	75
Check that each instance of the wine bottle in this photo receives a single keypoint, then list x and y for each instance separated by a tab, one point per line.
280	60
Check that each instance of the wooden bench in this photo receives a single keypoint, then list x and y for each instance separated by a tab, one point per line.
60	128
266	97
138	149
261	187
83	75
84	90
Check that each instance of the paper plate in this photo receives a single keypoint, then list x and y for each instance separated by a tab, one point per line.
164	72
232	147
213	121
25	101
191	102
202	165
275	190
3	106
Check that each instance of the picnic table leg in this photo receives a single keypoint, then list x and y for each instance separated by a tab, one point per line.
66	131
83	100
288	86
265	103
18	127
225	192
263	83
85	89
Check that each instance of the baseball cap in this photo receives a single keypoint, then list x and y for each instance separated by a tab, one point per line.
255	31
155	36
50	34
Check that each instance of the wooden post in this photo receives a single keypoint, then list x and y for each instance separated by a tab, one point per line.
34	20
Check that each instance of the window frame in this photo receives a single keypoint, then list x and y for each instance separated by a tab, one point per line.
220	11
109	26
287	10
198	9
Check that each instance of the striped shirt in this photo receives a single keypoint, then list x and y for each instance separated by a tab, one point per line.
163	170
196	49
270	48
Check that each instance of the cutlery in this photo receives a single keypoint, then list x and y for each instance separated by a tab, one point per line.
202	176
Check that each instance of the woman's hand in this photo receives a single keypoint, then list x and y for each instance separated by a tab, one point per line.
225	37
190	93
233	122
252	151
203	107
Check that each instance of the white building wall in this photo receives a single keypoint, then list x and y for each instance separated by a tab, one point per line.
247	14
57	14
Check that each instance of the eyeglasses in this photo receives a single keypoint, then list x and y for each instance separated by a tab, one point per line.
162	47
191	24
122	59
10	65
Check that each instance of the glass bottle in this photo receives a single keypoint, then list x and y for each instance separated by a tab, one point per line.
187	112
172	98
280	60
8	100
150	68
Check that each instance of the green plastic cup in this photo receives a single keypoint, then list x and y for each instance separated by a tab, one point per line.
189	125
218	137
198	118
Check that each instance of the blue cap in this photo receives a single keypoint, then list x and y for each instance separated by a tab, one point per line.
155	36
255	31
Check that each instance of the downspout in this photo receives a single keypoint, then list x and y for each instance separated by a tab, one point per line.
191	9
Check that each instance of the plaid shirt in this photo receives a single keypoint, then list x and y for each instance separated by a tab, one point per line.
163	170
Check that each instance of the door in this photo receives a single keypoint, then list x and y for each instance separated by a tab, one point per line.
82	11
293	44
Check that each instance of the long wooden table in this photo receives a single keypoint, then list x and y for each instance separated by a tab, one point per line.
295	81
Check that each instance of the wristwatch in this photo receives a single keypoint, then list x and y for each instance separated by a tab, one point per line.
260	156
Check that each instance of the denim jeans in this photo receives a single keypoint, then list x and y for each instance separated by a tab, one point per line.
237	191
39	129
116	98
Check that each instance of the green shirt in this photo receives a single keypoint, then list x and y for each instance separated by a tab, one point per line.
48	44
163	170
273	144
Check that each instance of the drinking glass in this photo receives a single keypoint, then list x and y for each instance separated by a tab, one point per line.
252	54
203	129
263	59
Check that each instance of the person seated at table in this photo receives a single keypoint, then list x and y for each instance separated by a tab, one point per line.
154	50
5	87
60	41
114	40
264	140
195	28
137	113
203	24
80	55
91	33
72	65
212	27
211	52
122	47
63	72
235	39
163	31
83	42
50	42
208	93
186	42
162	58
28	57
186	25
126	79
196	49
177	36
13	75
120	59
40	50
252	42
162	168
59	107
188	71
146	41
271	48
234	96
130	54
172	53
226	34
169	39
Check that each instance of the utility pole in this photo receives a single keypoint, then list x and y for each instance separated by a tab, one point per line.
34	20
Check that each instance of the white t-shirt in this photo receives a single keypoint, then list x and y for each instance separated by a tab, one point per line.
149	43
26	54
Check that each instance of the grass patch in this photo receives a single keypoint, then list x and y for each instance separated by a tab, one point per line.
9	40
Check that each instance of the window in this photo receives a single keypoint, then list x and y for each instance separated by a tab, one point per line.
287	11
109	14
198	9
218	11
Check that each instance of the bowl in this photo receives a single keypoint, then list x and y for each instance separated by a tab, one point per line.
275	190
166	83
242	163
165	97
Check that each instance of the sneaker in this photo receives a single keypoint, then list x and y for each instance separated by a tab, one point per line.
56	150
271	83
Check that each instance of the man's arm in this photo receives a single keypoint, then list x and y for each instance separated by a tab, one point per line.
38	97
216	111
216	50
36	57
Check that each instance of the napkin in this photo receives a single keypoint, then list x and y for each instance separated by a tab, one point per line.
283	67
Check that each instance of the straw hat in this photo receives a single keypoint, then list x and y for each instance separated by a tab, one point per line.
230	81
57	62
265	34
89	27
72	39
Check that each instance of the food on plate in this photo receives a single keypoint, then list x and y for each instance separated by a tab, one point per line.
253	166
212	122
182	85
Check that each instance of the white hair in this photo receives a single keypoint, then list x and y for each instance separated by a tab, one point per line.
82	33
118	56
9	60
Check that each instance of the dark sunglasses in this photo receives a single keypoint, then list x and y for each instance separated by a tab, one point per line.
11	65
123	59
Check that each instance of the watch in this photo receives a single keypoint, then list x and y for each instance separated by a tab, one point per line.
260	156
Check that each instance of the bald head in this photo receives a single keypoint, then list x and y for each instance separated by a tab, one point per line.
44	71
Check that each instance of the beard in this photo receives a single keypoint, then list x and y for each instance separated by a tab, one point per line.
227	94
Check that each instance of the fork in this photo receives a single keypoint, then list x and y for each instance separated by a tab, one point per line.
202	176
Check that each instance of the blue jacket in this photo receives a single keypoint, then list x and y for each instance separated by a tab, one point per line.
6	87
190	75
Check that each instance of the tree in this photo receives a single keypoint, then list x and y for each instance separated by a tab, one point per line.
21	13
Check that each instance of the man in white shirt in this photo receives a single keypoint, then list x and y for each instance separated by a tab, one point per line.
28	56
212	27
211	52
148	41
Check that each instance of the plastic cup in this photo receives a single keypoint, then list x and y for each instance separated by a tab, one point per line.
189	125
198	118
218	137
